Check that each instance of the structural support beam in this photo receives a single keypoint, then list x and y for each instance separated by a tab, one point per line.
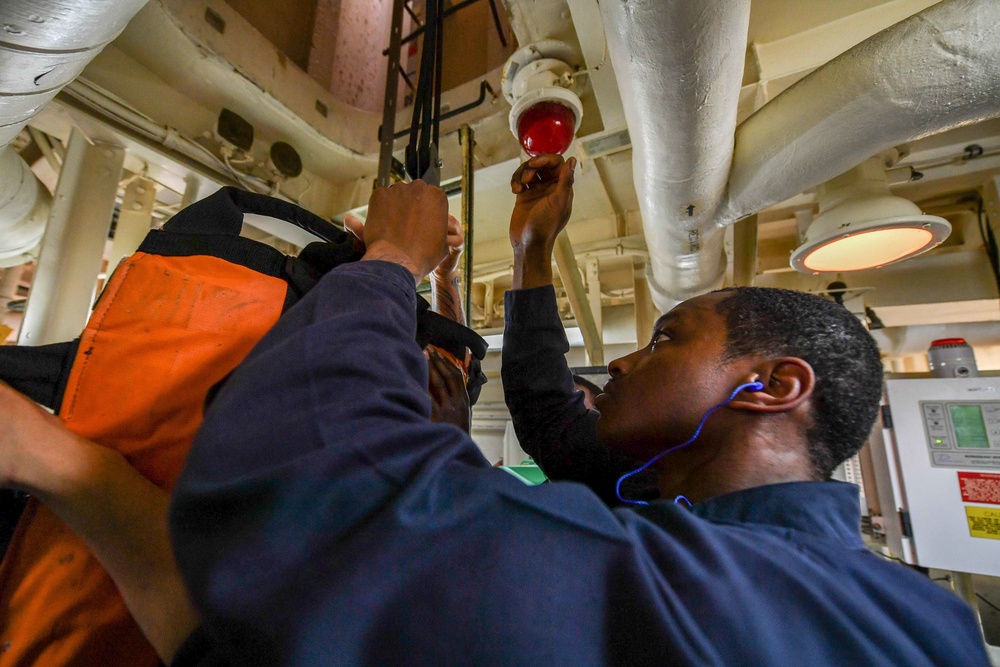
594	293
590	31
134	219
991	204
384	179
573	283
468	139
745	251
62	290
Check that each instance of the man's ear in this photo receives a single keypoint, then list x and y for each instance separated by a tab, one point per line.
788	382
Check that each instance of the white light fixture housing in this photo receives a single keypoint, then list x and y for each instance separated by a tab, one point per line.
861	225
533	79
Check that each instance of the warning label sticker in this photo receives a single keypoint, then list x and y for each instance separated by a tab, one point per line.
980	487
984	522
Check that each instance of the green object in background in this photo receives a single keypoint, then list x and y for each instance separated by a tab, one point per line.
528	473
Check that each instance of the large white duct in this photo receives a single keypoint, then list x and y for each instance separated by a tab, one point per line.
937	70
679	66
44	44
23	209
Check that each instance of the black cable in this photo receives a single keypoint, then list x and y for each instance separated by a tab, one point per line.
423	97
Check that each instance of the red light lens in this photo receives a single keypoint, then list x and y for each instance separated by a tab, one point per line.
546	127
947	342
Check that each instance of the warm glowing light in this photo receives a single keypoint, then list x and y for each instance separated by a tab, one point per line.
866	250
546	127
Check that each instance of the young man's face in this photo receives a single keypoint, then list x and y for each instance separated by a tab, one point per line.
658	394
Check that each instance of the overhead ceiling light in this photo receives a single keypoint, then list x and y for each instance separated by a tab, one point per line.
861	225
539	80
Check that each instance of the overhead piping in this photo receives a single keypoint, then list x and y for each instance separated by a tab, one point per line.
935	71
44	45
679	67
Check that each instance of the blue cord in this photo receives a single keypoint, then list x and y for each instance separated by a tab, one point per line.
755	386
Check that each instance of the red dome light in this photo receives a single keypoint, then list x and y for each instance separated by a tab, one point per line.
546	127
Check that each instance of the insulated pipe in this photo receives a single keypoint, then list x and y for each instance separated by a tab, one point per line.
935	71
679	66
24	206
44	44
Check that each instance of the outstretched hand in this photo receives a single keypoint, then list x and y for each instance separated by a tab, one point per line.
407	224
544	189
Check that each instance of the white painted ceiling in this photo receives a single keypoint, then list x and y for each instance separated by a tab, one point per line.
174	67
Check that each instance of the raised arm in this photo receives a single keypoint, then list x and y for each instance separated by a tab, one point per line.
551	421
446	297
322	435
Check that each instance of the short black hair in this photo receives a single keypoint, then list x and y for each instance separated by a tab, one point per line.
843	355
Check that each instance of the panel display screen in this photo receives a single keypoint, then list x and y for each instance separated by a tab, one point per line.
970	428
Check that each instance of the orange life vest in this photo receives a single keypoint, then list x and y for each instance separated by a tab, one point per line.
175	319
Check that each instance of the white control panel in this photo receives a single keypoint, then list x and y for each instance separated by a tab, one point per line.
937	463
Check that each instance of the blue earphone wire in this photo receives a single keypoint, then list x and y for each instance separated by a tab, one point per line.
755	386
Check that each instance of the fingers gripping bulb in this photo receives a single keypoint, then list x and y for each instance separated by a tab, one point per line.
749	386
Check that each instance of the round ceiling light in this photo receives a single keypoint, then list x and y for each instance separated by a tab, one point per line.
862	225
871	247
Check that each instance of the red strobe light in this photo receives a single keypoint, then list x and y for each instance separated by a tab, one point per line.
546	127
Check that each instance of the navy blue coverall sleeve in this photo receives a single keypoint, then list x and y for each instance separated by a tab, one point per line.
323	519
318	481
550	419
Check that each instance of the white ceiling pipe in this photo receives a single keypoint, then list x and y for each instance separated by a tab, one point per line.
44	44
679	66
935	71
24	205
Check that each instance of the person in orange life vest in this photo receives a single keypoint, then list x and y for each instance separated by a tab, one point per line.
122	516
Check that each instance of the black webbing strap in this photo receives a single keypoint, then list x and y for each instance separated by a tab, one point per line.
236	249
222	213
40	372
421	153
